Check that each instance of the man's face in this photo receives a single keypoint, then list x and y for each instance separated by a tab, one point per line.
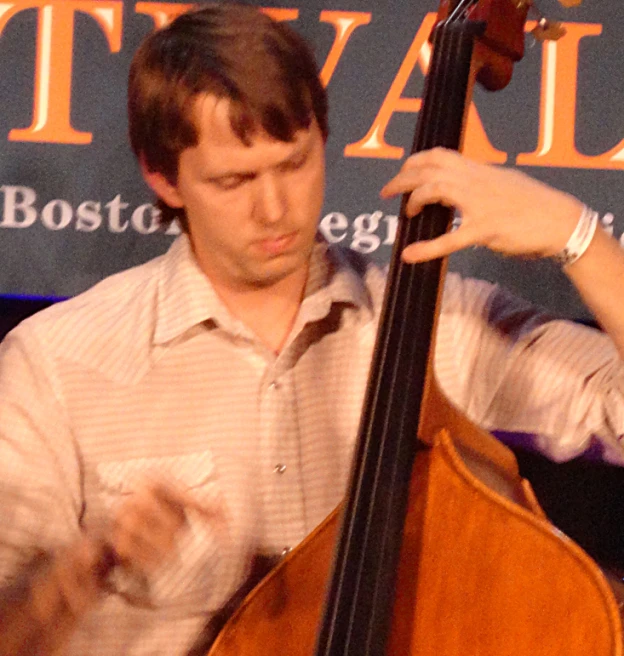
252	210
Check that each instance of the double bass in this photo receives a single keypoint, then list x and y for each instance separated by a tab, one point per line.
439	548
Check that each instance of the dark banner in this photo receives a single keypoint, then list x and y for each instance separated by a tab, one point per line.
74	208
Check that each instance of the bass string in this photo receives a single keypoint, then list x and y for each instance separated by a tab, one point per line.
424	280
433	124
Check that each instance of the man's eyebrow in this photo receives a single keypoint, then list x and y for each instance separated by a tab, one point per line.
304	148
300	153
230	174
303	151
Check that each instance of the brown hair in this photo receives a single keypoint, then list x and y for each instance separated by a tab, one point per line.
229	50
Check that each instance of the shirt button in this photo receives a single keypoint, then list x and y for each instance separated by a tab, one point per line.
279	469
286	551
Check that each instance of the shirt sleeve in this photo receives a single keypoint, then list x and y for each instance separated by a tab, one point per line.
39	468
556	385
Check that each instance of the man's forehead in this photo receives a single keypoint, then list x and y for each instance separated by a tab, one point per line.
220	146
213	118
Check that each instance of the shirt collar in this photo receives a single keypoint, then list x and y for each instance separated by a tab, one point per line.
336	275
186	297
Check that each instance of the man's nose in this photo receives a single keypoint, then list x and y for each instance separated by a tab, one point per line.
271	200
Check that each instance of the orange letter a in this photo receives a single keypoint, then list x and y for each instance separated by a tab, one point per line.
476	143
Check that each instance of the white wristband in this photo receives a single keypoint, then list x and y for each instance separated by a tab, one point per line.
580	239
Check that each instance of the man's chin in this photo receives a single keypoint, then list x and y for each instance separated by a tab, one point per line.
278	271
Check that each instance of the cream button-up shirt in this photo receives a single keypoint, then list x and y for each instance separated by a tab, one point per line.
148	375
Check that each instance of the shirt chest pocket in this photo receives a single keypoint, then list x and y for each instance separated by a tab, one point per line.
194	474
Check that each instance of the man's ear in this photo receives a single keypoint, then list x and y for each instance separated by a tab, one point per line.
162	187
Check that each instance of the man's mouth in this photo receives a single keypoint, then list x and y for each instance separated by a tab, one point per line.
277	245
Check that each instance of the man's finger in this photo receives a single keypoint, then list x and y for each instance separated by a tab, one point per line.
181	500
423	251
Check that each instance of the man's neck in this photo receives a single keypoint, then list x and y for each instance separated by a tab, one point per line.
269	312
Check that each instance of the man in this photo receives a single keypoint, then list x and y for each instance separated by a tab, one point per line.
164	429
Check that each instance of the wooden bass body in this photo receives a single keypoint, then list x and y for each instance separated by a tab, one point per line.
525	591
